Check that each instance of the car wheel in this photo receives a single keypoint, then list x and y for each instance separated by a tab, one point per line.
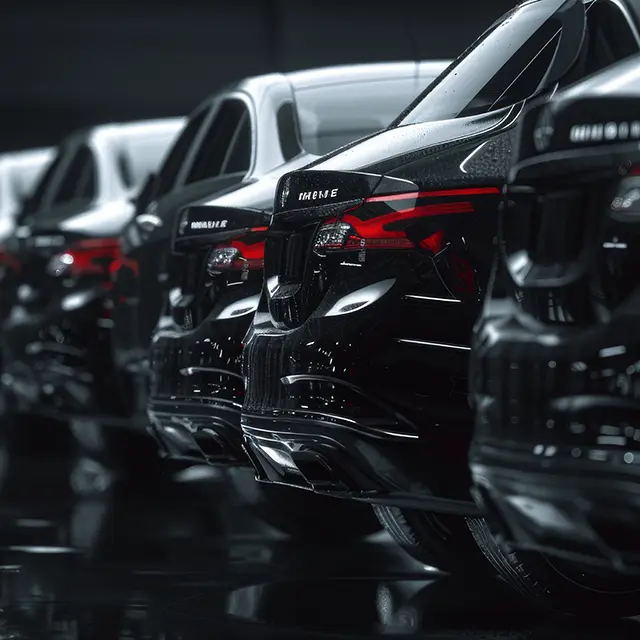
441	541
559	585
303	514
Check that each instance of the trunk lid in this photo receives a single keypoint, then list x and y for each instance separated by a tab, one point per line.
70	249
326	222
221	247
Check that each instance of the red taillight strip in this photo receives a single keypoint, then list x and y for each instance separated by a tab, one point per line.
86	252
123	263
9	260
375	227
472	191
252	253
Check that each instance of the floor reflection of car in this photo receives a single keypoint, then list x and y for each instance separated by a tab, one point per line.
231	141
55	340
19	172
377	257
555	355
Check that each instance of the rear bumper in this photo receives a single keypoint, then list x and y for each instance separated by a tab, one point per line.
347	462
556	450
60	359
197	431
567	511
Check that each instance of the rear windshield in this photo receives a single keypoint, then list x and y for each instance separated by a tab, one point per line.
507	64
334	115
72	178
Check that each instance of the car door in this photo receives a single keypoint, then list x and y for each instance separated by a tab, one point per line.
219	157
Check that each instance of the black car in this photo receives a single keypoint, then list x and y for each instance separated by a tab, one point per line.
55	340
230	142
375	263
196	379
555	354
197	388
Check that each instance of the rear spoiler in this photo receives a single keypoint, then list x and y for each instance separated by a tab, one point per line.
202	226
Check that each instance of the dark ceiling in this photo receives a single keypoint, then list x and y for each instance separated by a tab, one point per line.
65	65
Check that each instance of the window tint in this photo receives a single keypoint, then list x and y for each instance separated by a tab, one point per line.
332	116
79	180
507	64
288	131
142	151
175	158
239	156
210	157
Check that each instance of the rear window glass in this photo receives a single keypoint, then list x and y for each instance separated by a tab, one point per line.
333	116
507	64
80	179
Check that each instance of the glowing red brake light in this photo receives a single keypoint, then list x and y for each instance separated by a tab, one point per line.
8	260
241	254
362	228
87	257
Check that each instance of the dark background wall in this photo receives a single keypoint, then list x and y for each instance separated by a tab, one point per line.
69	64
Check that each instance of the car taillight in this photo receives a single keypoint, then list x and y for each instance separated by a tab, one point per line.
242	254
87	257
379	222
8	261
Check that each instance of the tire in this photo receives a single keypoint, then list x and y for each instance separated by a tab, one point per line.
441	541
305	515
559	586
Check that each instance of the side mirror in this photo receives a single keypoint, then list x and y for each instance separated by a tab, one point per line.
201	226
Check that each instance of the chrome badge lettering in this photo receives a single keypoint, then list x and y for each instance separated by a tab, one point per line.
209	224
316	195
605	131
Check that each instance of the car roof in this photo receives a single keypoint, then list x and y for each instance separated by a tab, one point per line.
137	127
114	129
351	73
339	74
26	157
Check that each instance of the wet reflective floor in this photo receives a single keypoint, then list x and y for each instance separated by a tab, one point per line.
85	555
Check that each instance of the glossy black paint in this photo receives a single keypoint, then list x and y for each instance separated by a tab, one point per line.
56	338
273	132
197	388
554	370
370	401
